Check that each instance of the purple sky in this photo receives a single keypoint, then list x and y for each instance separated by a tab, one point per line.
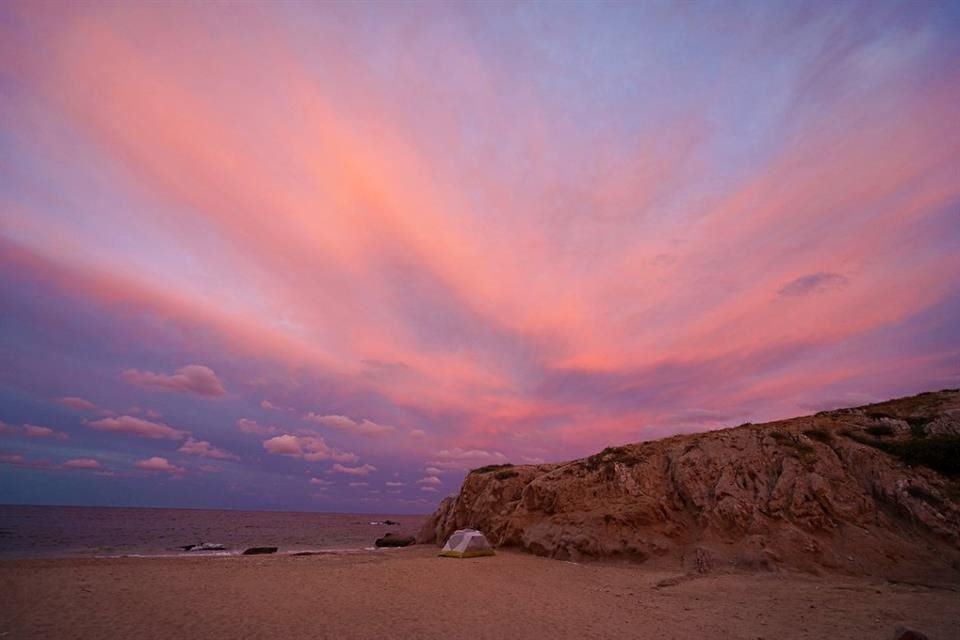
331	256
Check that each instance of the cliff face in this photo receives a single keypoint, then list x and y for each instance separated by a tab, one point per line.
852	490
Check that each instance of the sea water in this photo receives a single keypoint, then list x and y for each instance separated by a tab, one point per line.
41	531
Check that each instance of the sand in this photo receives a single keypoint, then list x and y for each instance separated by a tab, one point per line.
410	593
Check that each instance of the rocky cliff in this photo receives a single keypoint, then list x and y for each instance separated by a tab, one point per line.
873	489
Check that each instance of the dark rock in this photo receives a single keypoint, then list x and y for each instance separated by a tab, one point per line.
257	551
390	522
904	633
394	540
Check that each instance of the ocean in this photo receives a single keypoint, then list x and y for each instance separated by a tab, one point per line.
35	531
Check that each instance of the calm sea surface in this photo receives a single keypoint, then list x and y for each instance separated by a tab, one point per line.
108	531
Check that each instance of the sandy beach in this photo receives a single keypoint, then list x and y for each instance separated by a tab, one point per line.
410	593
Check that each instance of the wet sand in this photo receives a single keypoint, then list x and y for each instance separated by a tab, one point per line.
410	593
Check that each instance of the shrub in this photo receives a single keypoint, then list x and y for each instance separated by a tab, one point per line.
918	426
506	474
821	435
880	430
491	467
922	494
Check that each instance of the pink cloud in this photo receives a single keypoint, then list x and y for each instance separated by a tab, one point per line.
358	484
310	448
418	434
430	489
353	471
35	431
430	480
203	448
395	484
83	463
157	463
79	404
364	428
321	482
137	427
251	426
193	378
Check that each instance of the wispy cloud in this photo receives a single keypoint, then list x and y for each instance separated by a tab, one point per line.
363	427
812	283
137	427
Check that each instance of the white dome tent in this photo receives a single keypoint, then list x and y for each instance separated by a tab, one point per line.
467	543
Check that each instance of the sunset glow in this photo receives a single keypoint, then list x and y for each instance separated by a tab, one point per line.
332	256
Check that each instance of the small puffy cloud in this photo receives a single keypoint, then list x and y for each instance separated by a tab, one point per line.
203	448
354	471
431	489
418	434
193	378
79	404
266	404
321	482
435	471
364	428
83	463
157	463
359	484
396	484
812	283
35	431
251	426
310	448
430	480
137	427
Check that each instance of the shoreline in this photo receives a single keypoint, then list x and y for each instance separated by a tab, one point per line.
412	593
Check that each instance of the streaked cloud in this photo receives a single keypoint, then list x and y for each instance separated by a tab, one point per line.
364	428
137	427
78	404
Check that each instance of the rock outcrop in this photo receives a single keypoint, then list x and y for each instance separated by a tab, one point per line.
873	490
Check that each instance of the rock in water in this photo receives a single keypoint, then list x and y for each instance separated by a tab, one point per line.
876	483
394	540
256	551
204	546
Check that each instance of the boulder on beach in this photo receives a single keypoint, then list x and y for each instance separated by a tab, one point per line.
390	522
394	540
258	551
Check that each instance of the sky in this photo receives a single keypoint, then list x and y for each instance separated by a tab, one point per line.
331	256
